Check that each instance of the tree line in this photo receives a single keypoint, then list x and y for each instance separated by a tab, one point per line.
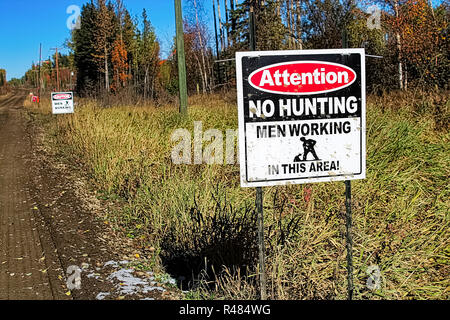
409	37
3	82
114	53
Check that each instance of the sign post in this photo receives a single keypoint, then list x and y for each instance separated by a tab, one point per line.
259	192
62	102
348	213
348	238
302	120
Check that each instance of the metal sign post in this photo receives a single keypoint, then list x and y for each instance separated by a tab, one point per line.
348	212
261	245
259	193
348	238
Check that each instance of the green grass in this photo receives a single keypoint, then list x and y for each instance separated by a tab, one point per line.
195	215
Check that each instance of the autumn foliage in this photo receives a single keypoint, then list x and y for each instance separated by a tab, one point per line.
424	44
119	59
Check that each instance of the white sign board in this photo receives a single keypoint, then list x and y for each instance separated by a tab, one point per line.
62	102
301	116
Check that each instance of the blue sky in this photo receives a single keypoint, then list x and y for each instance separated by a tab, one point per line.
26	23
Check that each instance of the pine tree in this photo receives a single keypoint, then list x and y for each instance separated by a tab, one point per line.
148	56
130	41
84	50
326	21
271	33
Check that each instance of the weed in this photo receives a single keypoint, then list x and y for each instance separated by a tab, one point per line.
202	223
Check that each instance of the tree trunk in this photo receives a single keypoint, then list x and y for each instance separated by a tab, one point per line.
204	75
432	11
288	19
233	19
399	48
145	83
106	69
226	22
299	24
405	86
152	89
201	72
222	41
215	31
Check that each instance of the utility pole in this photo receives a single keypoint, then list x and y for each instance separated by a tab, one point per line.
57	68
36	76
181	57
39	85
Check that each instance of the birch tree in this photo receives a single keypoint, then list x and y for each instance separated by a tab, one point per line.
102	38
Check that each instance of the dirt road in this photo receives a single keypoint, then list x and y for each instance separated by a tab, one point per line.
52	229
23	265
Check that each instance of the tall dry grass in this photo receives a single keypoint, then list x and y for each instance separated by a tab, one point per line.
202	223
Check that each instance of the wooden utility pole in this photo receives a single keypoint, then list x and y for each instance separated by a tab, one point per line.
181	57
36	76
39	86
57	68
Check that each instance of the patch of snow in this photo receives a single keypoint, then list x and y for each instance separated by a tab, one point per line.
102	295
129	284
93	275
126	283
111	263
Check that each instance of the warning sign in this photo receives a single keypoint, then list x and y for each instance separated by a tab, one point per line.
62	102
301	116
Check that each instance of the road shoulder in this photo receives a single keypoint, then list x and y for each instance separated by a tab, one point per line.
73	222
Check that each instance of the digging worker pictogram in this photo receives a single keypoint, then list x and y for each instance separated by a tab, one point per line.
308	147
